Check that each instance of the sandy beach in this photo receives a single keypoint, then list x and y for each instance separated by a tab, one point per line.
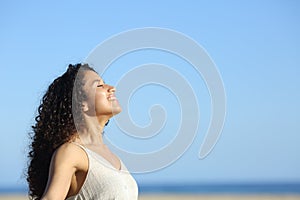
220	197
190	197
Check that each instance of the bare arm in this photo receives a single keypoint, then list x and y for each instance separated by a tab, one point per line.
64	163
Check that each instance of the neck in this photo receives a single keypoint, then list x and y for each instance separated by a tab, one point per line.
92	132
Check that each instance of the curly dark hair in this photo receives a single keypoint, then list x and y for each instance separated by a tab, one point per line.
54	125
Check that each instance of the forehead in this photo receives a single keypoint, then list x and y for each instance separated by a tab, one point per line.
91	77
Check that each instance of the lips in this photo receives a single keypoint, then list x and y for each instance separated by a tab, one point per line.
111	97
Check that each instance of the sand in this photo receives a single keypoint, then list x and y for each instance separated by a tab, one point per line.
191	197
220	197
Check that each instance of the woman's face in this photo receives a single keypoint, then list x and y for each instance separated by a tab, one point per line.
101	99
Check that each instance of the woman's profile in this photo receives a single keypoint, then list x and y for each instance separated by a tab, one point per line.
68	158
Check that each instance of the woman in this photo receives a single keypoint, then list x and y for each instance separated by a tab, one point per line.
68	159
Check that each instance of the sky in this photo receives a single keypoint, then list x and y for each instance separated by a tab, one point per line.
255	46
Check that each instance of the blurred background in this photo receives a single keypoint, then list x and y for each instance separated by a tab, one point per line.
254	44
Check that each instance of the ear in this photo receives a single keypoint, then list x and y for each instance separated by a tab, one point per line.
84	106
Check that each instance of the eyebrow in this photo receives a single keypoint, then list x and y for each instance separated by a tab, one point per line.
97	80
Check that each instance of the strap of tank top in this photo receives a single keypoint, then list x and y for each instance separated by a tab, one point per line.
81	146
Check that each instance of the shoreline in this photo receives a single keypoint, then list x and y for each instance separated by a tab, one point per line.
191	196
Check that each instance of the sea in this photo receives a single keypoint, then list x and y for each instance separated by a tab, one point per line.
200	188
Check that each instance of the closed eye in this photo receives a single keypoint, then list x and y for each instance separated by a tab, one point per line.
101	85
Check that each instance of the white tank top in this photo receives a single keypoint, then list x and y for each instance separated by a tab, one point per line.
104	182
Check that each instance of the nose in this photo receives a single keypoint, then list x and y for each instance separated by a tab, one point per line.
111	89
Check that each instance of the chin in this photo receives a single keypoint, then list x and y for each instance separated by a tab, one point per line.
116	110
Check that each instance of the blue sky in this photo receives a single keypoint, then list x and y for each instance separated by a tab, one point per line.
254	44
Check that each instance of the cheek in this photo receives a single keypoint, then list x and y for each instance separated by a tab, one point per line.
100	97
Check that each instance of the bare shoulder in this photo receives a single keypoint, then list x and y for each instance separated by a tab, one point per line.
72	155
